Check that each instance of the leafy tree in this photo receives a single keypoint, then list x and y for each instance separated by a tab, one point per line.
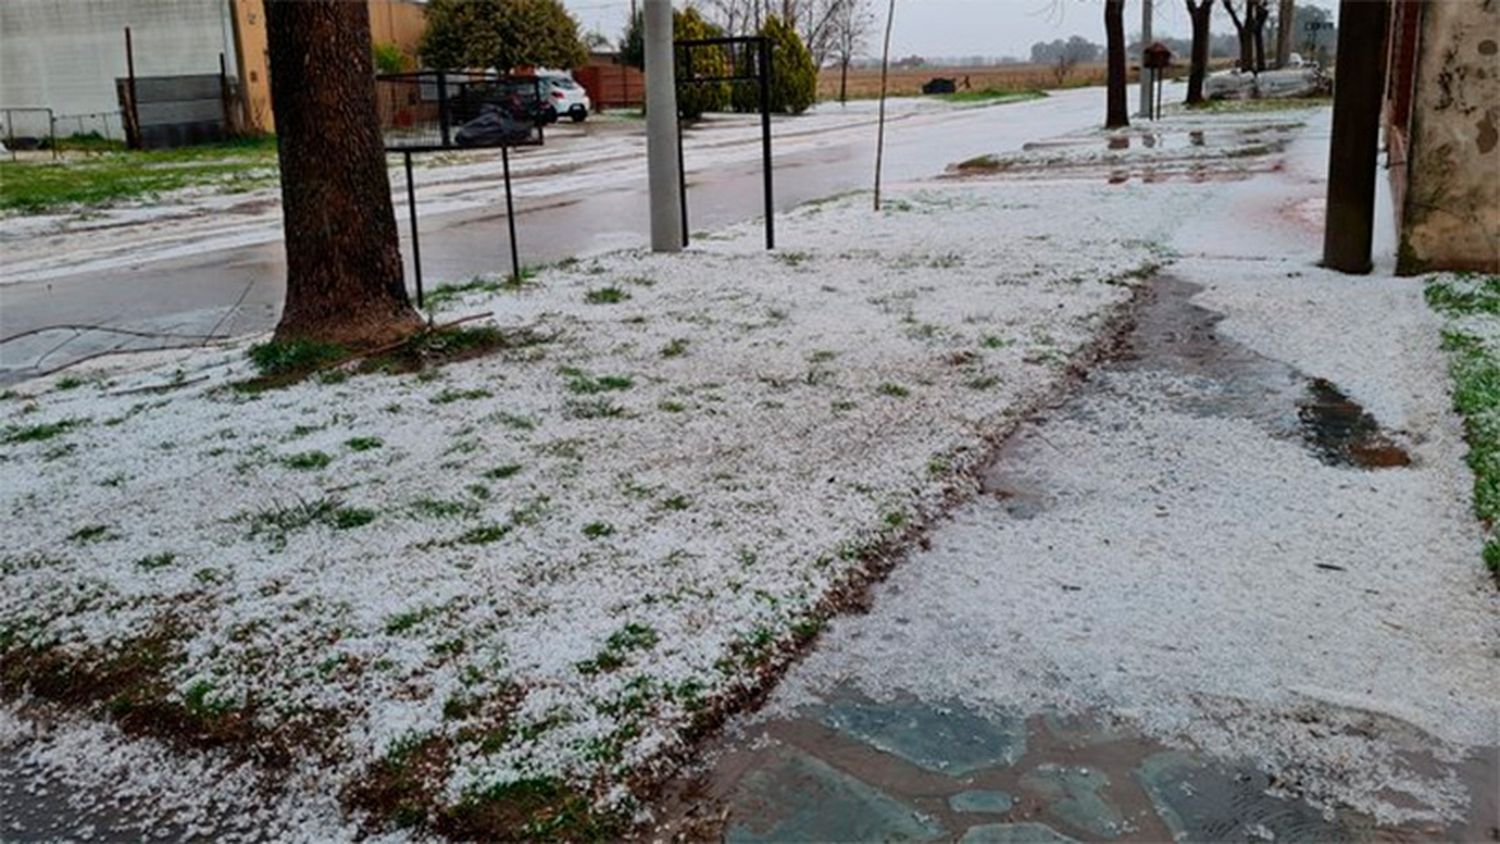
693	101
389	58
502	34
344	280
794	78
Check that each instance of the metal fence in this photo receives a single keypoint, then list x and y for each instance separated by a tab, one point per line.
439	110
27	128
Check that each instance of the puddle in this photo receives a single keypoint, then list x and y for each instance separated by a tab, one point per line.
1342	432
1042	778
1172	333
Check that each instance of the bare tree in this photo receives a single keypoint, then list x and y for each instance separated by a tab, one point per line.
1118	113
1199	13
1256	14
1242	33
851	26
344	280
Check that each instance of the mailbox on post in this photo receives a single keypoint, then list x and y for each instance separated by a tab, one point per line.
1156	60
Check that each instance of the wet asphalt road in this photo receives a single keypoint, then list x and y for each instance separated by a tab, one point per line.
238	290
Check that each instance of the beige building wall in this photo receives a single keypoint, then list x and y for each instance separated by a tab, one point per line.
398	22
1451	209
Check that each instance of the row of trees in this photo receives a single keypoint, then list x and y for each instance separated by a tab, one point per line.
1250	19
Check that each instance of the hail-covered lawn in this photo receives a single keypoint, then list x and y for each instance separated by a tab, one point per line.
1471	305
522	577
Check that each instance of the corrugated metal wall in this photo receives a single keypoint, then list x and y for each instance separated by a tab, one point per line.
66	54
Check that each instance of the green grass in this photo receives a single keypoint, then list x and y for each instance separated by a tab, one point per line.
293	356
305	461
450	395
605	296
364	443
1472	305
37	186
617	649
157	561
37	433
585	384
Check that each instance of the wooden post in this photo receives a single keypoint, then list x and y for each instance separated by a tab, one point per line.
1354	151
885	63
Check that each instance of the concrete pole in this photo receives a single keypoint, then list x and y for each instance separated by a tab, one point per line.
1145	42
662	169
1354	148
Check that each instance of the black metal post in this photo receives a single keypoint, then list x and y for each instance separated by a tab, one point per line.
765	137
682	183
135	109
442	80
416	244
510	218
1354	148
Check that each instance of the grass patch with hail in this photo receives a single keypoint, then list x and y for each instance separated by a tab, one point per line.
1471	304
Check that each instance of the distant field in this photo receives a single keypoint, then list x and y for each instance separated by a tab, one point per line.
865	82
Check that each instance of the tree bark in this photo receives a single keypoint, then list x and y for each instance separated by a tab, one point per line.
1256	12
1242	34
844	80
1199	13
1118	113
344	278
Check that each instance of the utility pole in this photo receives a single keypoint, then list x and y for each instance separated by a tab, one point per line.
1286	16
662	169
1145	42
1354	150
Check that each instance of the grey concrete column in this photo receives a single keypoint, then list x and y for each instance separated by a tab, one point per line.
1145	42
661	129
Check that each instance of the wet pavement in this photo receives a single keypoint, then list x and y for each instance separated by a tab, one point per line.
855	768
237	290
906	770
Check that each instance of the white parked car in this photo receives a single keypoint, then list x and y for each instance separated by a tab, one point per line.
567	96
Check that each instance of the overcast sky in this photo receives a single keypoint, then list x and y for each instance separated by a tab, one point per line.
969	27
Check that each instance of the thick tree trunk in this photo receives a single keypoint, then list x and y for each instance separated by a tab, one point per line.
1118	113
344	279
1242	34
1199	13
1286	19
1255	20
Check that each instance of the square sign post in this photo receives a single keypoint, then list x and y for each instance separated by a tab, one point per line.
439	110
748	59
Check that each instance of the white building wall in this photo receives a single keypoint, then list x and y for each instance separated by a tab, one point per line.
66	54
